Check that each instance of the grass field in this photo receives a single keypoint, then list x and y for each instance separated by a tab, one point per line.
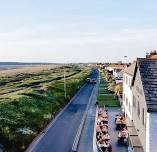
104	90
108	100
105	96
29	101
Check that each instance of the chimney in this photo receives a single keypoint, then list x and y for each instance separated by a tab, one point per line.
151	54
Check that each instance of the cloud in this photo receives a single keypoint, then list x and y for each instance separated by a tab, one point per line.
52	44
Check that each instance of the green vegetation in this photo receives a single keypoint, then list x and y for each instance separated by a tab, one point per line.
28	102
108	100
106	95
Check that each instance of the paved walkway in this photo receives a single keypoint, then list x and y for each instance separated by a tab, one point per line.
113	132
86	141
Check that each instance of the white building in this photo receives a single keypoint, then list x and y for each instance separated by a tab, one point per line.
144	112
128	73
140	103
116	70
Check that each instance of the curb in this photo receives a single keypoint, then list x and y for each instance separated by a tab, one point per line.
95	149
94	135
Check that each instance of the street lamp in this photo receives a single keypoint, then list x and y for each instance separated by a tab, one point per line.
51	98
65	90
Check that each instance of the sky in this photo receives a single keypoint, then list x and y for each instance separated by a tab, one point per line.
77	30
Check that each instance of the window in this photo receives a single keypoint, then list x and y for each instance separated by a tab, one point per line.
124	97
130	82
138	109
139	90
143	116
126	101
126	80
129	108
134	101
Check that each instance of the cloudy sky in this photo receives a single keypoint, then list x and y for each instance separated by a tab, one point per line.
76	30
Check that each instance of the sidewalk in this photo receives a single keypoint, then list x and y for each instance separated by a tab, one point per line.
114	134
86	141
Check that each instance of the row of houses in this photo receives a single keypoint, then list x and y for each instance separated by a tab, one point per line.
117	71
140	100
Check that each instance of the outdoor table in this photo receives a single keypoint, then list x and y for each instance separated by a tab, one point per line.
120	126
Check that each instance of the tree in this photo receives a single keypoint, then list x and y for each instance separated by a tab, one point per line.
108	77
112	85
118	90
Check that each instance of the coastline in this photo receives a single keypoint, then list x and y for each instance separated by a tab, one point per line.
25	69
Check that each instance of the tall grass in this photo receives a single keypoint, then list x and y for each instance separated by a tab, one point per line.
28	102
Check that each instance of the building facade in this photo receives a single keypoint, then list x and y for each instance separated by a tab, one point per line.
144	103
127	90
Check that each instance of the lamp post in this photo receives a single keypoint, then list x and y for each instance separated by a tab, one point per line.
51	99
65	90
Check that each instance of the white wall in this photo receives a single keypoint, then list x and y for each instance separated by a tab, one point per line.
138	107
127	95
110	68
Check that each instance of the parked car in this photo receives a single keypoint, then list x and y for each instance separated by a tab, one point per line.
93	81
88	80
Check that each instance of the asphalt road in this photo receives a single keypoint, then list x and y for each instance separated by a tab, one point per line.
60	136
86	140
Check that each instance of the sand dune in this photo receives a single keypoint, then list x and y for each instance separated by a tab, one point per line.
29	69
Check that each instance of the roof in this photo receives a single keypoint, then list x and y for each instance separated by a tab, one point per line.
117	66
153	57
148	72
130	70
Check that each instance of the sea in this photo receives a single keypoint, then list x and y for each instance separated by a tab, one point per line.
9	67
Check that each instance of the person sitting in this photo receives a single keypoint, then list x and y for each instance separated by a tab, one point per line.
98	129
109	148
106	136
104	146
116	117
105	129
123	133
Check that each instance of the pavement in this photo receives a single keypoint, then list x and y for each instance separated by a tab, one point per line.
60	136
113	132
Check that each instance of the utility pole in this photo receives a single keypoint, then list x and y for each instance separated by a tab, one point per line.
65	90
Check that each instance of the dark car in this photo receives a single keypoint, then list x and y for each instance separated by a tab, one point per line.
93	81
